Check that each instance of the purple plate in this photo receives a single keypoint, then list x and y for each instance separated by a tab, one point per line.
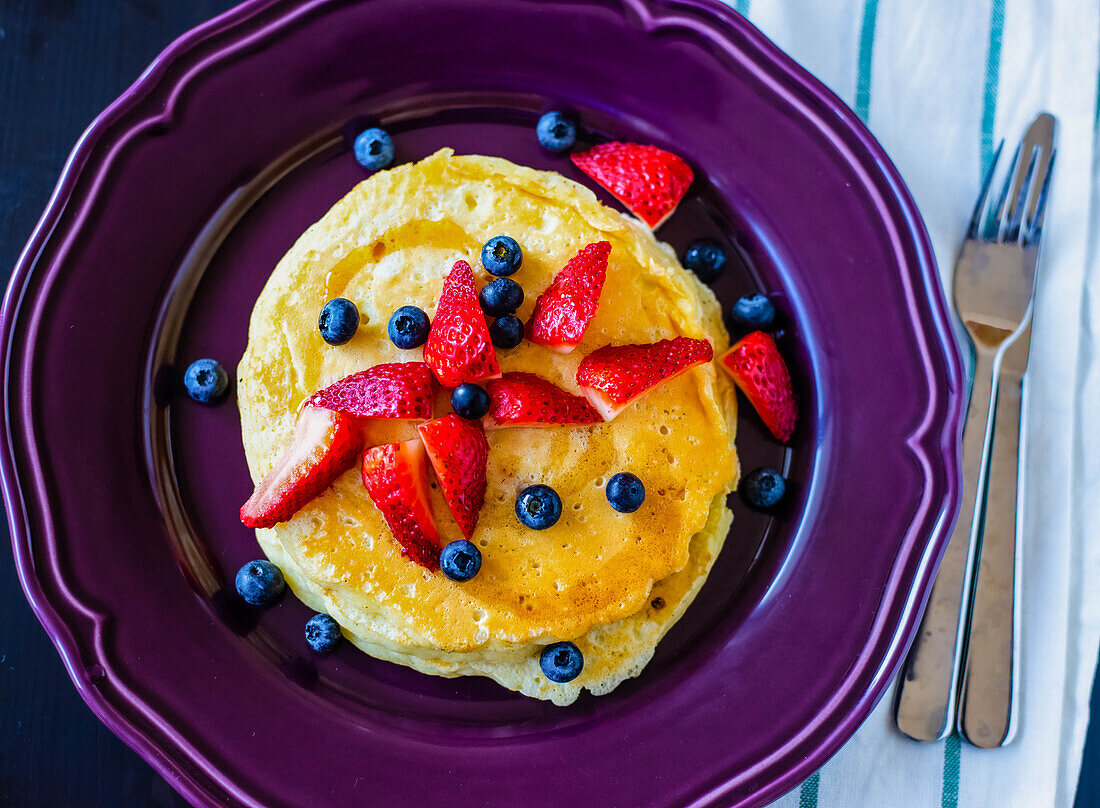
168	218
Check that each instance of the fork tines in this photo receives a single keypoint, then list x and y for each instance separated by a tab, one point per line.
1020	208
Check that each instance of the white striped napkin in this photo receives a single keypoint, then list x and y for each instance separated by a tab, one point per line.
940	82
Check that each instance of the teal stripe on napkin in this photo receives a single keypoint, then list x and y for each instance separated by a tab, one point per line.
1096	113
866	52
952	754
807	797
992	79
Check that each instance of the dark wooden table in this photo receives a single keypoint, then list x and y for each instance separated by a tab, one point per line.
61	62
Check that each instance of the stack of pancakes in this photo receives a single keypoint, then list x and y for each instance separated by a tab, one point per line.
612	583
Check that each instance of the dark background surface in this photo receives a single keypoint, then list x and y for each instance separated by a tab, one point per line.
61	63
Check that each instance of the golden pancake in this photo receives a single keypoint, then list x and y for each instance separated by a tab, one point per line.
390	242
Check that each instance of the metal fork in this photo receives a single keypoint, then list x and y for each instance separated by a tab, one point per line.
994	282
989	686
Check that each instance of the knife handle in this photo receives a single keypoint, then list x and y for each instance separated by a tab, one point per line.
989	672
926	695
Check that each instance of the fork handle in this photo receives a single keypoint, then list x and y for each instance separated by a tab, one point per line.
926	695
988	683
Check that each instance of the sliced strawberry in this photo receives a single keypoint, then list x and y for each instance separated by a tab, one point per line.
564	310
761	374
458	451
402	391
396	477
324	446
649	181
459	348
613	376
524	399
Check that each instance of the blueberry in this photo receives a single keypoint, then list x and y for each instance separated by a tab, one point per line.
538	506
409	327
323	633
625	492
260	583
561	662
753	311
556	132
506	332
460	560
501	255
762	488
706	258
470	401
206	381
374	149
501	296
339	321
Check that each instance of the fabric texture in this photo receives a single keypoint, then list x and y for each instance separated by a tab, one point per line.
940	83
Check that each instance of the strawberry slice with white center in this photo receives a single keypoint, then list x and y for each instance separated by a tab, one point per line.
459	348
458	451
401	391
324	446
761	374
613	376
524	399
396	477
563	312
649	181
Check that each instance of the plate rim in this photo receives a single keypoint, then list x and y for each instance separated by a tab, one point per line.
721	23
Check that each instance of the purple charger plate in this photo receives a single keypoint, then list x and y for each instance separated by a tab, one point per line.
171	212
